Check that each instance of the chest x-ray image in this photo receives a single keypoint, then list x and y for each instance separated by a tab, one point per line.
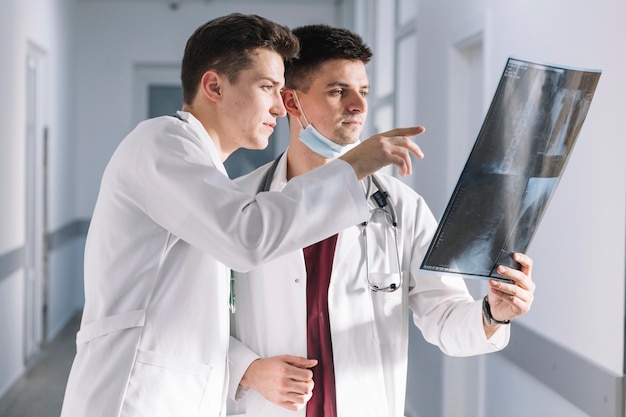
515	165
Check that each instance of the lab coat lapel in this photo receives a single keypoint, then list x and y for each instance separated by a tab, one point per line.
352	328
350	243
207	141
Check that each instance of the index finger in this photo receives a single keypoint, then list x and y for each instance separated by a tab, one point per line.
405	131
299	361
519	277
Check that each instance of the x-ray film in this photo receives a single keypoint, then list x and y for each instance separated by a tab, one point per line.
514	168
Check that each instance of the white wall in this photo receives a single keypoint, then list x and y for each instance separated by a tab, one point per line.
579	250
12	200
43	25
11	157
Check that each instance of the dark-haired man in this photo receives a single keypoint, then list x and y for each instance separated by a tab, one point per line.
333	318
169	224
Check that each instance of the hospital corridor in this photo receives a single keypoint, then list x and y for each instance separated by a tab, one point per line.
77	76
39	391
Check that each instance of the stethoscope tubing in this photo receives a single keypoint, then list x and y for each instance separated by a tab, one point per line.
388	204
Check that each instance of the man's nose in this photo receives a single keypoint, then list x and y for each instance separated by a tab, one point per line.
358	103
278	109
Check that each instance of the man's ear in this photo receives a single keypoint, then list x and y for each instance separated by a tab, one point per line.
290	102
211	86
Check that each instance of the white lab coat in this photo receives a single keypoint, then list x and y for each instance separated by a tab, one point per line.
369	330
167	225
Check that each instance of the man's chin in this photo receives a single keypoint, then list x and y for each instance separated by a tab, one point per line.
348	141
349	137
258	145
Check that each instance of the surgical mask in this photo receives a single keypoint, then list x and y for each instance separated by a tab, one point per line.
317	142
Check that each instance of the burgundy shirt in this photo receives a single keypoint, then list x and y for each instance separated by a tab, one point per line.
319	261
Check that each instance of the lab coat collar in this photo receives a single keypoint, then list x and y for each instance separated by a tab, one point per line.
206	139
279	180
280	175
347	238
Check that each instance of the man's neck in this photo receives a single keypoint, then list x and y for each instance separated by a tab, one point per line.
210	123
301	159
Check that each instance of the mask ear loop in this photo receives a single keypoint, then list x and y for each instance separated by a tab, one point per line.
295	96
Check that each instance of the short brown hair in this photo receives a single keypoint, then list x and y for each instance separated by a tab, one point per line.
318	44
227	44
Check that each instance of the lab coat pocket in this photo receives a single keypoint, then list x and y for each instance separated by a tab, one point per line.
387	308
161	385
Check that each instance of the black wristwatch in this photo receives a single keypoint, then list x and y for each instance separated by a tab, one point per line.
488	316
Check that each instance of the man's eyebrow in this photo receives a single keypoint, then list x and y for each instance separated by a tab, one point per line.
344	85
274	82
268	78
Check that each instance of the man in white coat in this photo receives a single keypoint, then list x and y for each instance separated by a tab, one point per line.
169	225
336	314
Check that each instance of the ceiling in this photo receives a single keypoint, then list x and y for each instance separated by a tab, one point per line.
175	4
180	2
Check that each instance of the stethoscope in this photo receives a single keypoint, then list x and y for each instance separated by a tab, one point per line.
382	204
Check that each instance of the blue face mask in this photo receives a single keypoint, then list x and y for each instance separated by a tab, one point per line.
317	142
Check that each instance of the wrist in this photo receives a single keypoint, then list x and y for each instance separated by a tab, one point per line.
487	314
246	379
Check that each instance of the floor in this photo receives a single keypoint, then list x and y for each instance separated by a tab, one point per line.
39	393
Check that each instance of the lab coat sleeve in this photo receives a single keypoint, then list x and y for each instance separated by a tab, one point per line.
239	359
185	194
442	306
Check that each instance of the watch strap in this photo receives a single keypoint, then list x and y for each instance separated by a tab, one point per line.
487	313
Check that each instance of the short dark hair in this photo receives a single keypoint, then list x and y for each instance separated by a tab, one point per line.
227	44
319	44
